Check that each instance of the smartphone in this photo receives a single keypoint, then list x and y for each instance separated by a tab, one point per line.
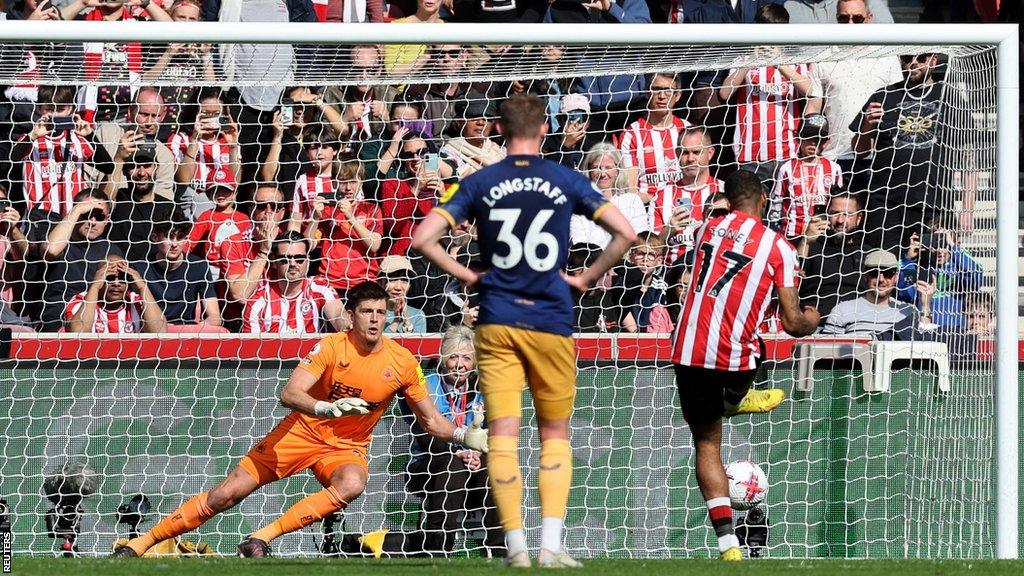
146	149
431	162
213	121
287	112
63	123
4	204
685	202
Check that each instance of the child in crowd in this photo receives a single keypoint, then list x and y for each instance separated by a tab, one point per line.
318	180
803	183
216	228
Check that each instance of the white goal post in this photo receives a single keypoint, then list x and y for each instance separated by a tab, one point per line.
1004	38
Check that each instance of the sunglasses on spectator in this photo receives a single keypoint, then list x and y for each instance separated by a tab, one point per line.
451	53
272	206
412	154
97	215
122	278
847	18
366	70
297	258
888	273
908	58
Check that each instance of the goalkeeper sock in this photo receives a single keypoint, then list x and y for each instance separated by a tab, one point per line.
302	514
186	518
720	512
553	483
506	482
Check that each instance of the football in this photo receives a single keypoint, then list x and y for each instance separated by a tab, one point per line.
747	484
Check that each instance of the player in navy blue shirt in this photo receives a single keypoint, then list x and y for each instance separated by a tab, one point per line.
522	207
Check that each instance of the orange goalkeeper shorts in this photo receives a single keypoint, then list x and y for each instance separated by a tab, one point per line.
291	448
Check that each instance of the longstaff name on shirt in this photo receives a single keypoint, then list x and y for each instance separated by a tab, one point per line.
513	185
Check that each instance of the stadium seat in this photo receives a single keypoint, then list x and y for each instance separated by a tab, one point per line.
885	353
807	354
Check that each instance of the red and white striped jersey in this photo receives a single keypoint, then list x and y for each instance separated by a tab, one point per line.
27	87
269	311
53	171
737	263
113	69
125	319
653	151
660	208
210	156
800	185
768	115
308	187
700	195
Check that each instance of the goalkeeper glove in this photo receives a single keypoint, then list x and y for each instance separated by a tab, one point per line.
340	407
474	437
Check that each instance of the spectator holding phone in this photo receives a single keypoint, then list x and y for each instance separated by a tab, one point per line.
570	143
54	155
140	134
182	283
210	145
380	154
407	199
318	181
937	271
350	230
118	301
119	60
286	158
179	61
473	148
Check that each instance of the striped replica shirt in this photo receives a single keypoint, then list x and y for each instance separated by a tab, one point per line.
269	311
768	115
700	195
114	71
308	187
125	319
211	155
53	171
652	151
801	186
738	262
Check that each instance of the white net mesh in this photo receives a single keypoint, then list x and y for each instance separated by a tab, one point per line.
375	135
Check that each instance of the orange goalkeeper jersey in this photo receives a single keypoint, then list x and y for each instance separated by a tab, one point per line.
343	371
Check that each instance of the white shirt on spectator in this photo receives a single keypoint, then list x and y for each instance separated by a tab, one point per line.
846	86
583	230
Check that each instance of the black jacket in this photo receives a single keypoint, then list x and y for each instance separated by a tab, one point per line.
832	271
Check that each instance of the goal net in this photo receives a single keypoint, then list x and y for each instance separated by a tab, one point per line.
878	164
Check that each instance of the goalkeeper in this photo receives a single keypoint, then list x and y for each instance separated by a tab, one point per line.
337	393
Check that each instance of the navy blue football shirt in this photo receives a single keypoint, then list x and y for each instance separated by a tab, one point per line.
522	207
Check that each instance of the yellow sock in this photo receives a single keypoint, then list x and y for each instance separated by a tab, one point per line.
506	481
302	514
555	477
186	518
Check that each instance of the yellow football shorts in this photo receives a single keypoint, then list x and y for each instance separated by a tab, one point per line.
508	357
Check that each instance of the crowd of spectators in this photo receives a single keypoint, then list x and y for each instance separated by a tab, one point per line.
227	204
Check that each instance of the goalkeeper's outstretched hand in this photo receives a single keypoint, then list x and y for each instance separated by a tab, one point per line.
476	437
341	407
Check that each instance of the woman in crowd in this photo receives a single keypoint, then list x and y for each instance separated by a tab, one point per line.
603	164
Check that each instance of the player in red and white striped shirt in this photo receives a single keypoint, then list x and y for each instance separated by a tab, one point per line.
211	145
770	100
54	159
317	181
803	184
109	307
288	301
649	144
738	261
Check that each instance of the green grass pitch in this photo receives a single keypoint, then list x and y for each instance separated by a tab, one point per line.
470	567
